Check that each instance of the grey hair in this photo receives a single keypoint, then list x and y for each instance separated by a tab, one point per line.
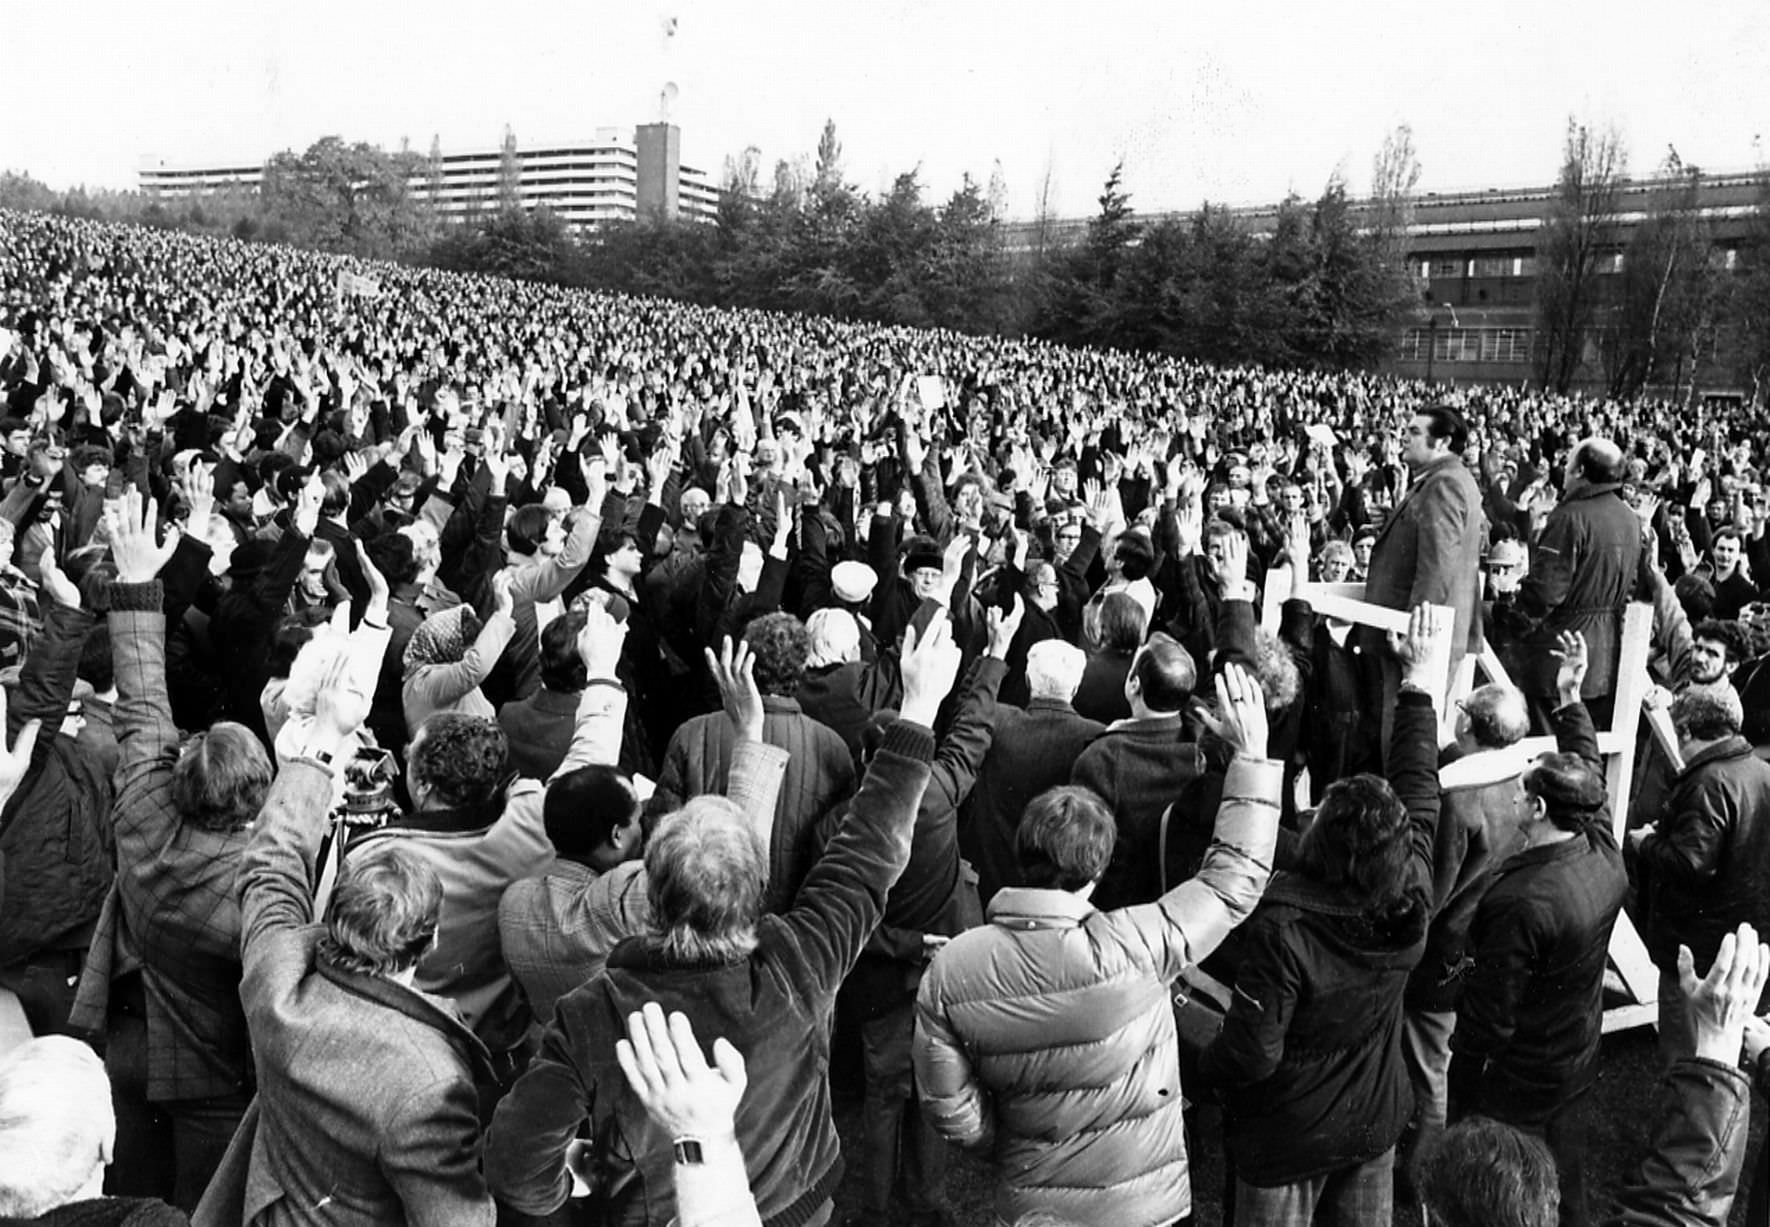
705	873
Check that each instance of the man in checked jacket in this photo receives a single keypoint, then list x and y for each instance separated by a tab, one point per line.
180	822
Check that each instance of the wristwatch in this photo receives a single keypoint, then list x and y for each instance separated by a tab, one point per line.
688	1151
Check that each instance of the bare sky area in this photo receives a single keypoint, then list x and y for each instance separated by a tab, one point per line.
1238	103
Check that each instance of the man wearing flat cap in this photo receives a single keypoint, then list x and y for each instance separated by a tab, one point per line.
1525	1050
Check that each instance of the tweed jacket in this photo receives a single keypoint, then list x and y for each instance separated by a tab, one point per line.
477	857
366	1103
174	904
774	1005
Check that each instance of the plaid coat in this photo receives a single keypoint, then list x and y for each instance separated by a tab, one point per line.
173	906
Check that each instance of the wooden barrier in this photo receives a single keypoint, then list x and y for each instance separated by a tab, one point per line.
1634	971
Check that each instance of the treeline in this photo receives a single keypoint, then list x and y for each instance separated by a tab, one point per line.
1318	292
1323	283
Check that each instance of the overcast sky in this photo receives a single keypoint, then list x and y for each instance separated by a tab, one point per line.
1235	102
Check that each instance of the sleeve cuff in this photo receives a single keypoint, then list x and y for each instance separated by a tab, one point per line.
149	597
908	740
1412	697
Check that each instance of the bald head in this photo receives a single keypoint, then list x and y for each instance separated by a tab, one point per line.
1597	460
1497	716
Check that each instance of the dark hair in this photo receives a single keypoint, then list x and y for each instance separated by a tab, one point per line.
562	669
1135	555
1728	531
292	634
1166	673
527	528
1729	634
1122	622
88	454
337	495
384	912
583	807
1696	595
613	541
1359	839
1443	422
464	760
1481	1173
1571	789
781	645
394	556
1065	838
221	777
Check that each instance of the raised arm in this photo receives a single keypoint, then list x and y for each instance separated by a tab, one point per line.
843	897
147	739
602	708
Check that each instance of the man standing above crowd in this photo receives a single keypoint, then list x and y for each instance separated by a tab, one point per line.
1583	569
1429	548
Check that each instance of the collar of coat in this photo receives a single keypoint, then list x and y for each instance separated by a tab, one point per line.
419	1007
1731	747
1579	488
1028	907
1483	767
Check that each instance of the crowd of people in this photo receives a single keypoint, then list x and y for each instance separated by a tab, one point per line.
441	710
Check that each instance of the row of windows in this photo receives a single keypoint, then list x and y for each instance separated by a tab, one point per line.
1448	268
1466	344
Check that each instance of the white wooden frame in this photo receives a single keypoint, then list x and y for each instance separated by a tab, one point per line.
1633	969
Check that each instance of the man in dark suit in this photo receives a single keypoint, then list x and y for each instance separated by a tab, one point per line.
1429	549
1033	750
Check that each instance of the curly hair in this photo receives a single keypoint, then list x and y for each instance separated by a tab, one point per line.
782	646
464	760
1359	839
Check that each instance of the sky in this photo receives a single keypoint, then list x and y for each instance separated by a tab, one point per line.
1237	103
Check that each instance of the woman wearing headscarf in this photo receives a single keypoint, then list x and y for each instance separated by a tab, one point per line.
451	653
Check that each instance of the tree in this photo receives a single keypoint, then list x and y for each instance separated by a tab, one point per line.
349	198
1668	291
998	192
433	174
1748	314
1576	232
509	174
829	160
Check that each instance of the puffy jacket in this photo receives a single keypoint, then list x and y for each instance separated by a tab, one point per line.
1047	1036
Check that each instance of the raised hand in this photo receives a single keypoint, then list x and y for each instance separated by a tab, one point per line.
1004	625
129	523
1721	1003
1570	674
735	671
343	701
16	762
1241	710
601	641
930	666
1423	648
683	1094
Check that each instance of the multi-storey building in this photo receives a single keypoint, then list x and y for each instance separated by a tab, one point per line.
1474	259
616	175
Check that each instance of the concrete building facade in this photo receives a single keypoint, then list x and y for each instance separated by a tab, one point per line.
615	175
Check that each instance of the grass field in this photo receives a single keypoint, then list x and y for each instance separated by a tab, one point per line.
1623	1111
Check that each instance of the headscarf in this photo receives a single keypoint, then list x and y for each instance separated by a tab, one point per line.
442	638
